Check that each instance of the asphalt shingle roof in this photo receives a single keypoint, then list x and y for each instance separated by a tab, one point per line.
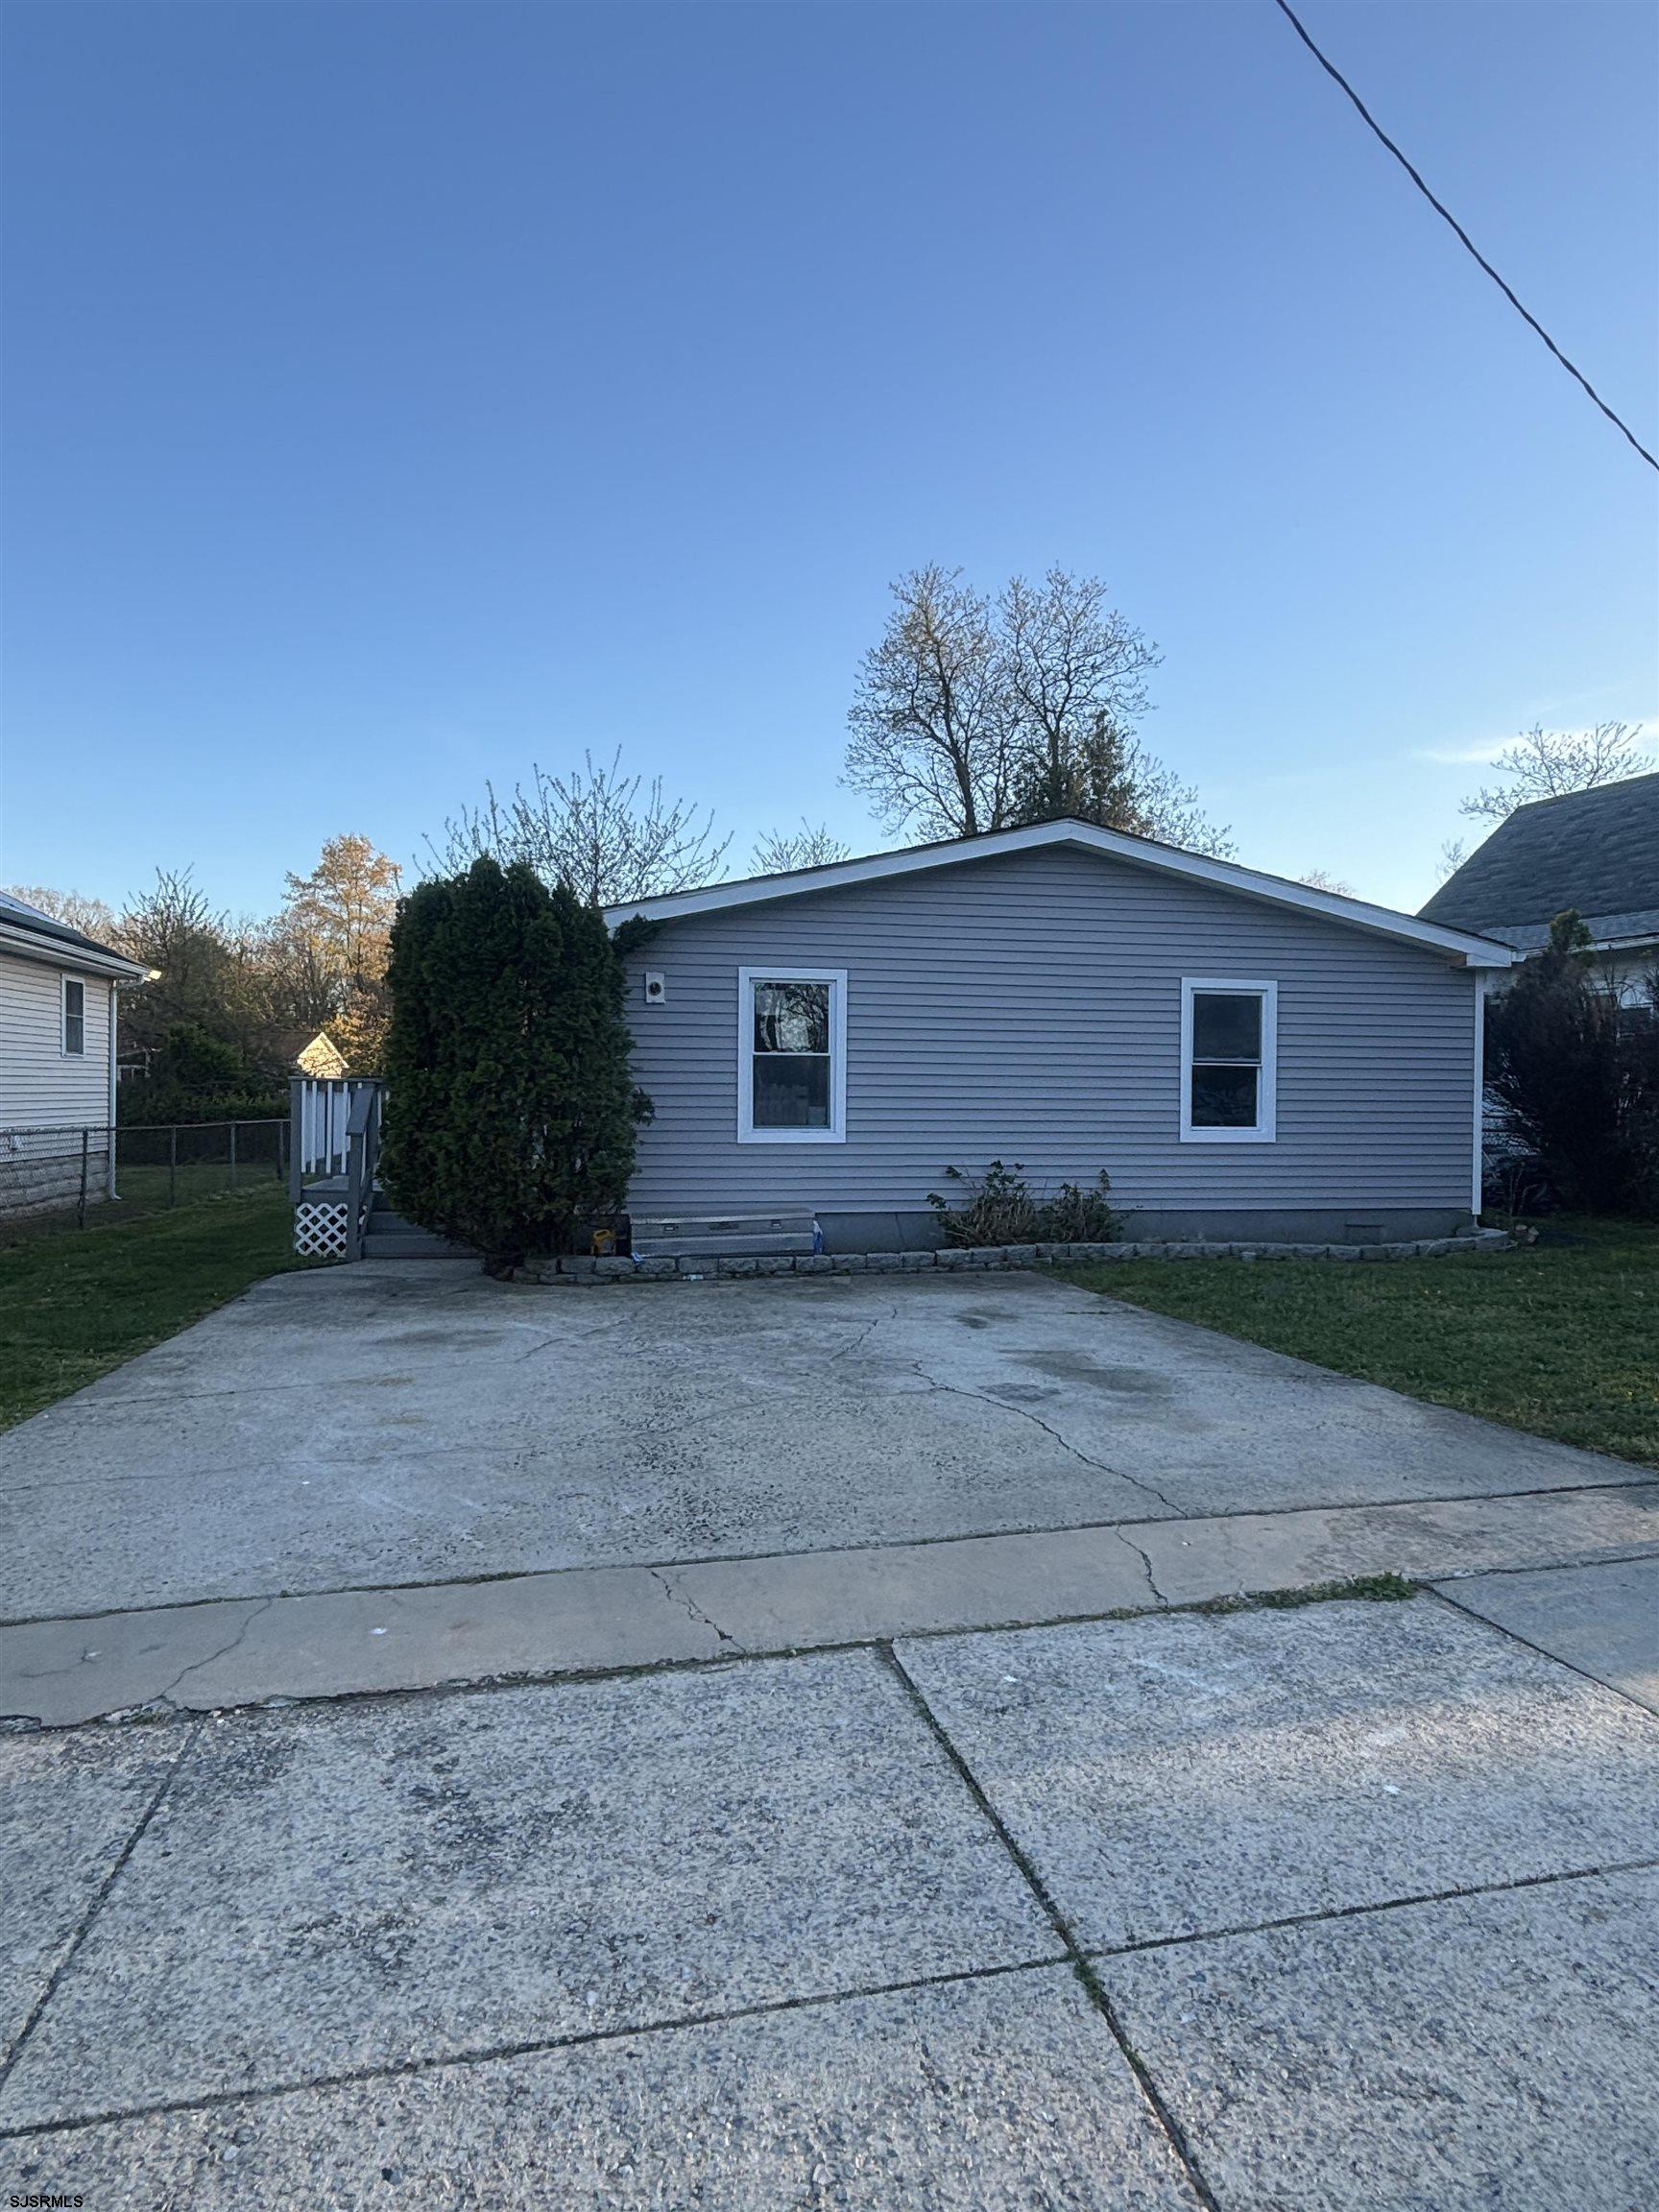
19	914
1597	851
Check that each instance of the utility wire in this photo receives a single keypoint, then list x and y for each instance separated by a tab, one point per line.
1330	70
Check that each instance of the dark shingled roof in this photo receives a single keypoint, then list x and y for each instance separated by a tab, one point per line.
1597	851
19	914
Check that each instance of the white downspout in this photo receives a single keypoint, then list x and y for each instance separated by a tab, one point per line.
1480	1087
114	1002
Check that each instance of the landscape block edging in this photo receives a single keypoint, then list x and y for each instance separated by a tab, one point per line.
575	1268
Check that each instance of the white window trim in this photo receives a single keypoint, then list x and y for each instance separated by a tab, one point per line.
1265	1131
63	1051
784	972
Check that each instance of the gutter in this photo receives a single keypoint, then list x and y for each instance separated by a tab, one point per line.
82	959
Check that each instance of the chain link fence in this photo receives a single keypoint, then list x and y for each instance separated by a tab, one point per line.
50	1174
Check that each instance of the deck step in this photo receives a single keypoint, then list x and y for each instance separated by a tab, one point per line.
390	1237
408	1243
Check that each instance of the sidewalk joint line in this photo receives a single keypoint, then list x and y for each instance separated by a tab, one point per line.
1498	1628
1365	1911
439	2062
1078	1958
158	1798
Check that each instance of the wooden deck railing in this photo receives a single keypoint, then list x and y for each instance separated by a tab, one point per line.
320	1117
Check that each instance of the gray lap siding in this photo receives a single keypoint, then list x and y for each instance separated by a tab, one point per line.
1029	1008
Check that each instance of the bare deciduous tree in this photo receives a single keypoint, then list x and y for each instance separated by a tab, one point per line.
931	722
811	846
1322	879
1077	673
971	716
610	837
1548	763
73	908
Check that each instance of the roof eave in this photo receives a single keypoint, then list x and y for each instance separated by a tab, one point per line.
59	952
1464	948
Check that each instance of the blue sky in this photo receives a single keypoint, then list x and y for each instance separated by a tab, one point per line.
396	394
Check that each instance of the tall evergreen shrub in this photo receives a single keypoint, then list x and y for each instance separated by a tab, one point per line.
510	1112
1580	1075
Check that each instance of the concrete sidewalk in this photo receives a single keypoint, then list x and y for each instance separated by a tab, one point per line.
1349	1903
203	1658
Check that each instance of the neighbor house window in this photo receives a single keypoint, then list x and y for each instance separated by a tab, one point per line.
74	1015
791	1055
1229	1034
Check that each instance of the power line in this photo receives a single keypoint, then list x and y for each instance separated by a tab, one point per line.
1330	70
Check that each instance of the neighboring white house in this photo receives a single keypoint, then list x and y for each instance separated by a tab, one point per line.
1596	852
59	993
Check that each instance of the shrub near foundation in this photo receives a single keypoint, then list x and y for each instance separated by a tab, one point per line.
1000	1208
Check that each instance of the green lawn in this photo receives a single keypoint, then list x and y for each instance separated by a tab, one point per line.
75	1302
1561	1338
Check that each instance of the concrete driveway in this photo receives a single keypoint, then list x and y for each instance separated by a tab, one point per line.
386	1425
739	1745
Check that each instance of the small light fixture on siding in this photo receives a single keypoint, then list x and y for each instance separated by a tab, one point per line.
655	987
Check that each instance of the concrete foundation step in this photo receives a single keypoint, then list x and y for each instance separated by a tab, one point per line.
713	1236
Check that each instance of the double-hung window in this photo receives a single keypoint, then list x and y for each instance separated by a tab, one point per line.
74	1016
791	1055
1229	1052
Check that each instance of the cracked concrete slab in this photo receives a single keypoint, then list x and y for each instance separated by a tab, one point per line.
201	1658
62	1672
1007	2095
1186	1772
1604	1619
491	1869
1493	2050
354	1428
69	1805
851	1596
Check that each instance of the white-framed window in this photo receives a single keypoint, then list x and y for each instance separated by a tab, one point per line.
1229	1056
74	1016
791	1055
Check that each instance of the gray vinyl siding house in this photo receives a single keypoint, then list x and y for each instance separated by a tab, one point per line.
1045	996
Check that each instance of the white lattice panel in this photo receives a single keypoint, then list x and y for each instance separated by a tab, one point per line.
320	1229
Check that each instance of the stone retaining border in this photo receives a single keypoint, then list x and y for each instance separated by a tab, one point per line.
557	1271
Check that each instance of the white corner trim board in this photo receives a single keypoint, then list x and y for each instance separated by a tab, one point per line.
1478	1190
1461	945
787	972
